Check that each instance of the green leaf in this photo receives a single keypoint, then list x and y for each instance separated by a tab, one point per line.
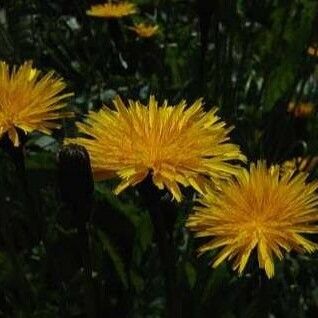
191	274
137	281
279	82
284	48
114	256
127	209
40	161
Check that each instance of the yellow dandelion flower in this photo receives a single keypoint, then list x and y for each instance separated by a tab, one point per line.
29	101
262	209
145	30
112	10
301	110
174	143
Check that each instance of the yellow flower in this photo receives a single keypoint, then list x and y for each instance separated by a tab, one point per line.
145	30
28	101
262	209
174	144
301	110
112	10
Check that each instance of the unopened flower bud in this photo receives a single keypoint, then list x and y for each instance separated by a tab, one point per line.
75	177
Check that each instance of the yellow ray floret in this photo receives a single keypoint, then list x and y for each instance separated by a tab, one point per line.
145	30
29	101
262	209
305	164
112	10
178	145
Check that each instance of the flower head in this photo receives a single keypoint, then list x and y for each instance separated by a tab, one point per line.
262	209
145	30
174	143
301	110
29	101
112	10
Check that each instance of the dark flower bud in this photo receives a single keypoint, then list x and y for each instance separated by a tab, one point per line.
75	178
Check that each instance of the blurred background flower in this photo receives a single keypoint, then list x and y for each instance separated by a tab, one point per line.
301	109
145	30
112	9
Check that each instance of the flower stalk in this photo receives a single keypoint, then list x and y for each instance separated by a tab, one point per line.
16	154
76	187
163	232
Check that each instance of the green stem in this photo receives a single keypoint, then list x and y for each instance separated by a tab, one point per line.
168	260
164	237
18	159
23	287
89	285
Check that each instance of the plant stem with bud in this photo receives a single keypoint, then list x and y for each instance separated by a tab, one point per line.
77	187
